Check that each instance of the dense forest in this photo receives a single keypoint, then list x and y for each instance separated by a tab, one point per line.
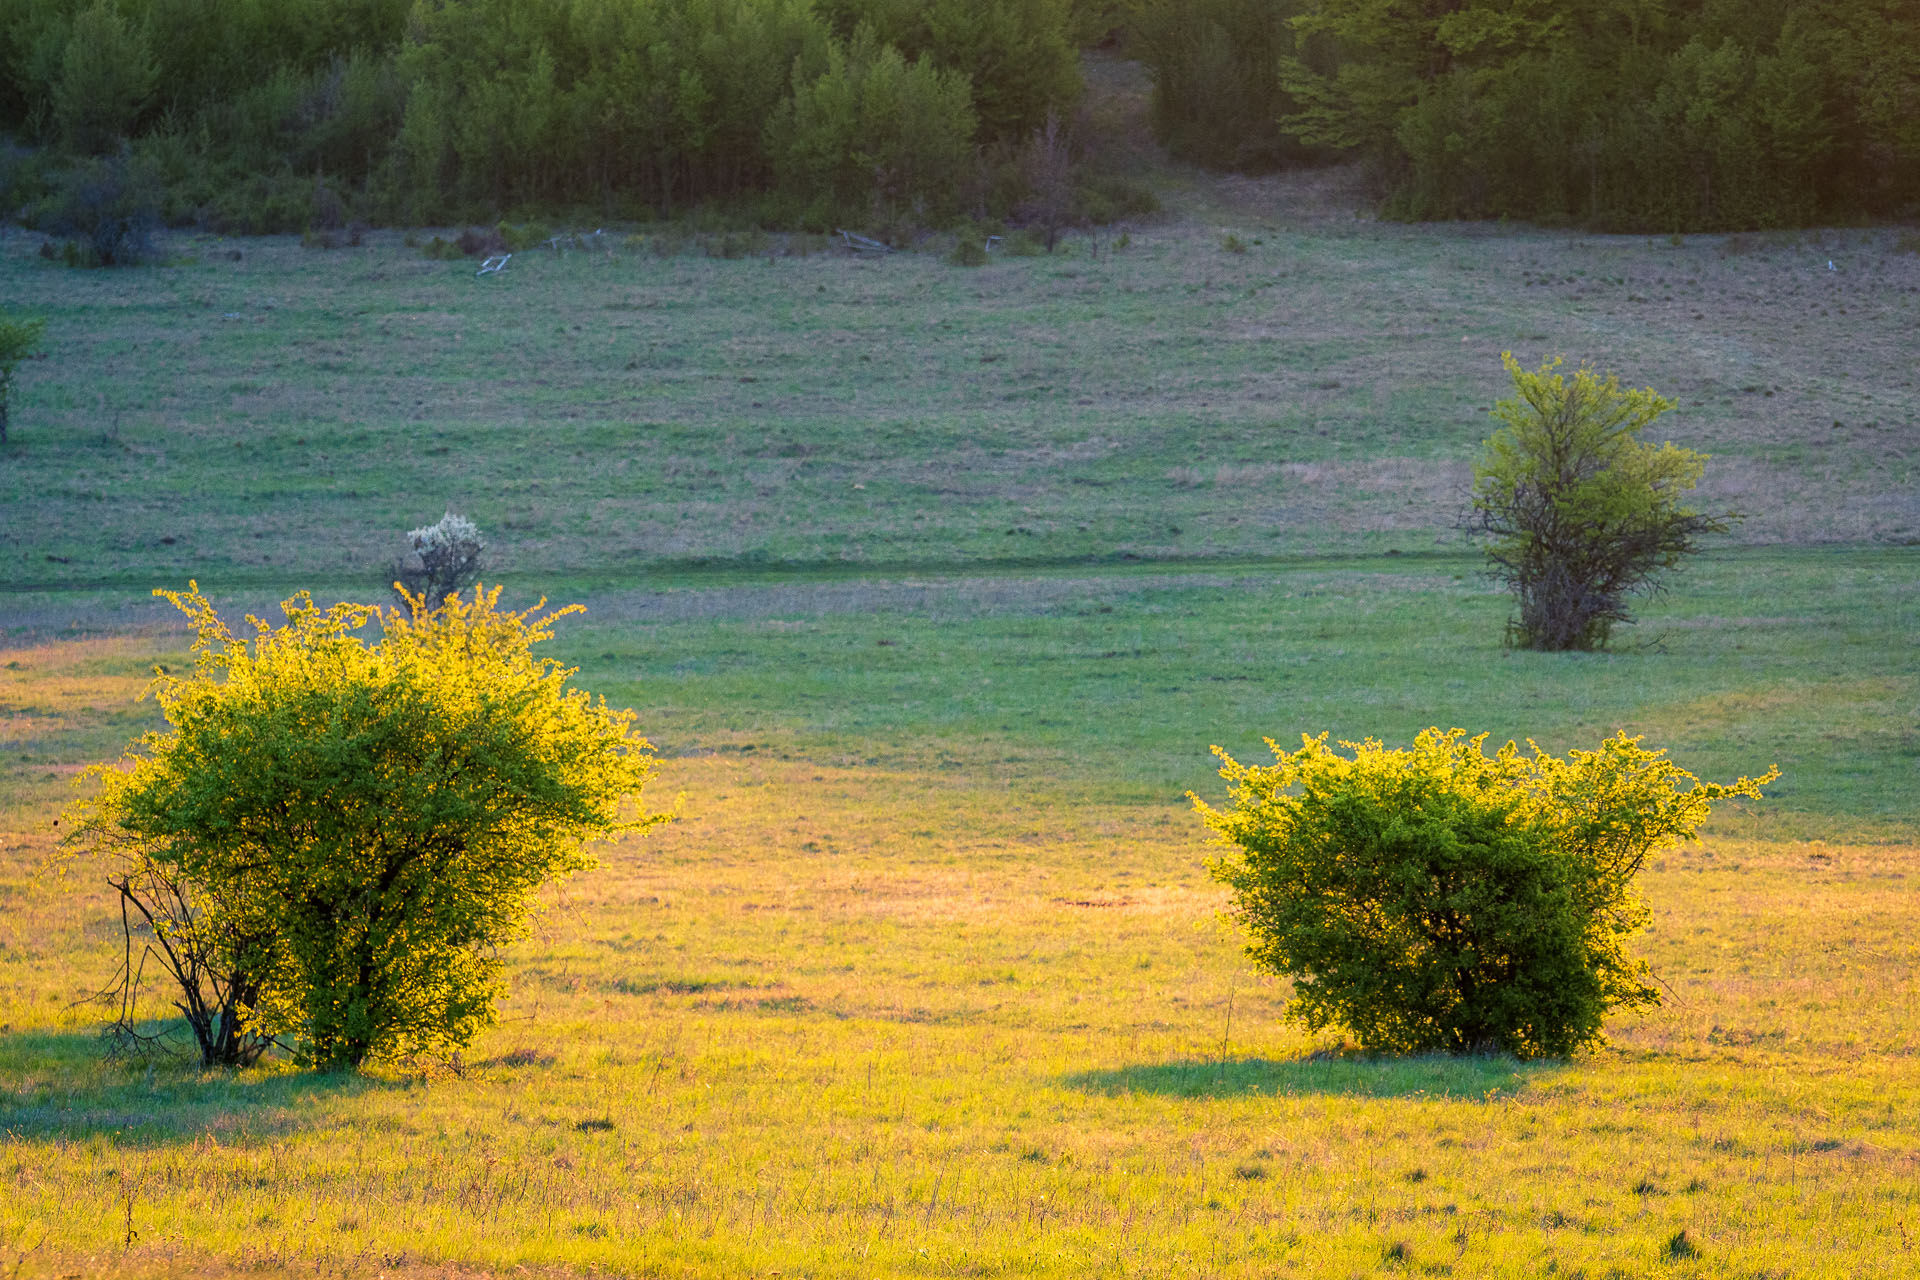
1632	115
264	114
253	115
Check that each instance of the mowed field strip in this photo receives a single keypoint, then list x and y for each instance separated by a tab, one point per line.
934	586
276	418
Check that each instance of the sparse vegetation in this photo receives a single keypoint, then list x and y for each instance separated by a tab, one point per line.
19	339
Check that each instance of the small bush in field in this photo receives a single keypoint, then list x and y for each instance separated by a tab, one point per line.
1440	899
1578	513
445	558
968	251
110	210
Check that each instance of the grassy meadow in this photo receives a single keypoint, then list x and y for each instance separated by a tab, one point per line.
934	586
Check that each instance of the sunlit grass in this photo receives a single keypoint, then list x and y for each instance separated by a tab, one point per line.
930	979
795	1034
935	586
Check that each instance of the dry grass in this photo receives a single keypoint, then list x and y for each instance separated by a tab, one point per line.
288	416
930	980
823	1029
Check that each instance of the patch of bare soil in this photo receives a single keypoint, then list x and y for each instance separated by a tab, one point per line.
1115	125
1335	193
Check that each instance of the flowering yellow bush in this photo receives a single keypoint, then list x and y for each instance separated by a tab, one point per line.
333	838
1440	898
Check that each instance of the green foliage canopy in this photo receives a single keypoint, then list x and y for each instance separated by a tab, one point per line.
271	114
1578	512
877	128
359	827
1016	54
106	79
1645	115
1217	93
1440	899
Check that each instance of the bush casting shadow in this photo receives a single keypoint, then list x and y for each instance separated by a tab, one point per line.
60	1085
1467	1078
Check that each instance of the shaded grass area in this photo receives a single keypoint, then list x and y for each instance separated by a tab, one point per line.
1123	682
1346	1076
1114	684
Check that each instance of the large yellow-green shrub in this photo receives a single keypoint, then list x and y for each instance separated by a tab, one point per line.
1441	899
333	838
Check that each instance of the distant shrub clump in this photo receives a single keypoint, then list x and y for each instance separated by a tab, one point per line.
108	210
444	559
1440	899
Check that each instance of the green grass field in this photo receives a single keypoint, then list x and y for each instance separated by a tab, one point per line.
934	586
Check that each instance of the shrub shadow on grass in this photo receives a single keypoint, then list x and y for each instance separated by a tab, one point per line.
1474	1078
62	1085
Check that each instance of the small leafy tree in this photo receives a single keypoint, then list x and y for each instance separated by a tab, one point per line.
1577	512
445	558
1443	899
18	340
334	838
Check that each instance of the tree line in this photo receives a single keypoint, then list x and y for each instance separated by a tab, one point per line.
1627	115
264	114
1643	115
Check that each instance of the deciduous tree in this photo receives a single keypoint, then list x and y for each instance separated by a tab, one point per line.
1579	513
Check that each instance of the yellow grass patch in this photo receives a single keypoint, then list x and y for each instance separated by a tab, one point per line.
848	1021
